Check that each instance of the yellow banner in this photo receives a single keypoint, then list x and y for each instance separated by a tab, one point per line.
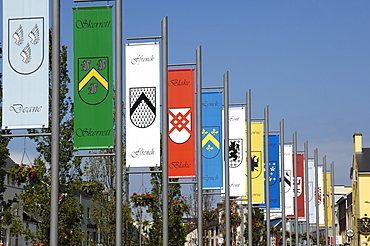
328	197
257	164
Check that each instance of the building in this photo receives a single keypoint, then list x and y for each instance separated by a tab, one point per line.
360	176
13	188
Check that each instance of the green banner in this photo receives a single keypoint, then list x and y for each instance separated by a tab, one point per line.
93	76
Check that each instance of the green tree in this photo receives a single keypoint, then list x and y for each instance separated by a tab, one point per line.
101	175
258	228
35	199
4	155
235	220
177	208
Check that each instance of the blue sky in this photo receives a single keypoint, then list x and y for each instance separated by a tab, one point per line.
309	61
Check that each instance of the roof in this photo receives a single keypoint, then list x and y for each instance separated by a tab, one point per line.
363	160
9	163
275	222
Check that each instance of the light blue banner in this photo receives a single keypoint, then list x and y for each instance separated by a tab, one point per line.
274	172
212	140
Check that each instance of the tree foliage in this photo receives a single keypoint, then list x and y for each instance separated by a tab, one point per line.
35	198
177	208
235	220
258	228
4	155
102	170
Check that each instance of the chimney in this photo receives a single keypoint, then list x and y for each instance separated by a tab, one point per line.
357	142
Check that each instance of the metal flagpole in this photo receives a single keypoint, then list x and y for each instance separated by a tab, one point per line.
307	193
316	163
118	122
249	175
199	143
295	166
282	183
55	123
333	203
325	196
267	178
165	130
226	147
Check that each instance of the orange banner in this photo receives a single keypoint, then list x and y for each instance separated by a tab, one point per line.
181	143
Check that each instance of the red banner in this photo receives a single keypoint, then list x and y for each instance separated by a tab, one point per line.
300	186
181	143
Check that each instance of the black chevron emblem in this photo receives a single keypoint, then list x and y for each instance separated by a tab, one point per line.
142	106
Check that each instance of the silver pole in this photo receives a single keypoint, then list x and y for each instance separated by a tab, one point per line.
295	166
118	122
325	202
227	172
307	193
282	183
316	163
333	203
55	123
199	143
267	178
165	130
242	222
249	176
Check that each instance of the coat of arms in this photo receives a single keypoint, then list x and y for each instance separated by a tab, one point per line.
179	124
235	152
142	106
287	180
274	176
26	44
93	75
299	186
257	167
211	141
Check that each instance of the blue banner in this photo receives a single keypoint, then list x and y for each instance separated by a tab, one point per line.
212	140
274	172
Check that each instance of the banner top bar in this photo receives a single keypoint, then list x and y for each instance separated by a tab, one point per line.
90	0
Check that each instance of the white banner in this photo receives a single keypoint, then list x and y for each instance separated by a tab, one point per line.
288	179
321	195
25	64
142	107
237	150
311	191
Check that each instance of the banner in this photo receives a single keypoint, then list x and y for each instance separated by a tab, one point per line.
328	198
93	76
288	179
212	146
25	64
320	190
274	176
181	139
311	186
300	186
257	163
237	148
142	109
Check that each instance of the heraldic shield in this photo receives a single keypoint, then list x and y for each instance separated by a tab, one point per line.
287	180
235	152
142	106
26	44
211	141
93	76
257	166
299	186
179	124
274	176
